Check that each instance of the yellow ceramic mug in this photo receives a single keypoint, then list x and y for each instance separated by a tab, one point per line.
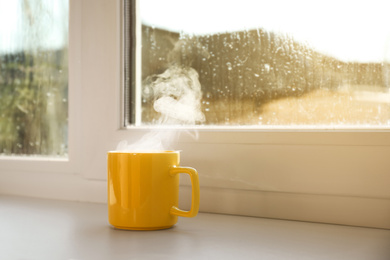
143	190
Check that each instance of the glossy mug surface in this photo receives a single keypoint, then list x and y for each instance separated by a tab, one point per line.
143	190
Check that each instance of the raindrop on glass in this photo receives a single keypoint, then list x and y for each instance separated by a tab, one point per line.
229	65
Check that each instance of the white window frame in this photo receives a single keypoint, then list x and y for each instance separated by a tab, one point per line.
336	175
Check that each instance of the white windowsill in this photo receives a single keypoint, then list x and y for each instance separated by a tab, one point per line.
51	229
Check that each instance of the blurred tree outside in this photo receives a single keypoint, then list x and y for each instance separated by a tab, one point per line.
34	79
245	73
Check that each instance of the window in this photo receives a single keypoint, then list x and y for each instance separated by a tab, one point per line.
327	175
34	77
259	63
301	132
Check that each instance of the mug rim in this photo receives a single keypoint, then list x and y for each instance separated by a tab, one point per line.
144	152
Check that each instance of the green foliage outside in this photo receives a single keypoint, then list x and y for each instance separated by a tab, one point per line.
34	103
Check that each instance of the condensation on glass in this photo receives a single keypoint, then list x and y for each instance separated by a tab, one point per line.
269	63
34	77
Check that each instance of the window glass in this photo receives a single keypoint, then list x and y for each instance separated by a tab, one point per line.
262	63
33	77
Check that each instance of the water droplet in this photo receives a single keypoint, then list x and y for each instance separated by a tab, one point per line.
229	65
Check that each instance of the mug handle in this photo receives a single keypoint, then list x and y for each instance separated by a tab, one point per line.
195	192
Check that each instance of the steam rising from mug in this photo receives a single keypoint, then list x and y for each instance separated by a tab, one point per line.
177	97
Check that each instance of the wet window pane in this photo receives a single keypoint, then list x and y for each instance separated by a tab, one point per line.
34	77
264	63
